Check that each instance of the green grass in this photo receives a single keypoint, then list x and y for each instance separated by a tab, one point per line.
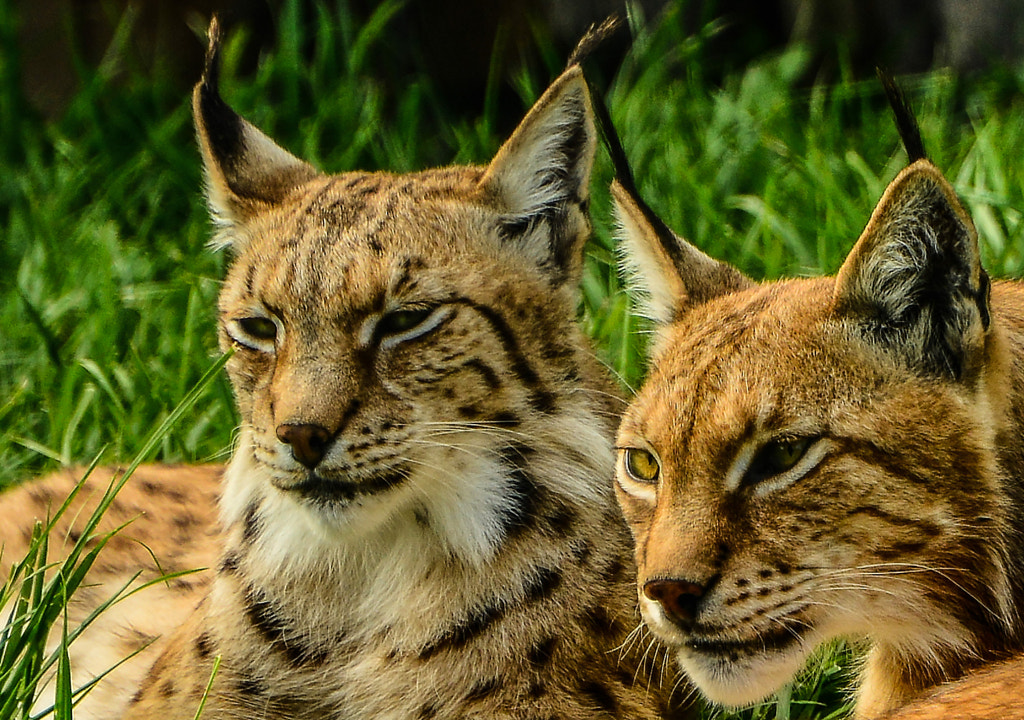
107	292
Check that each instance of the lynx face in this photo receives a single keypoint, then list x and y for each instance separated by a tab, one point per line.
396	351
818	458
387	330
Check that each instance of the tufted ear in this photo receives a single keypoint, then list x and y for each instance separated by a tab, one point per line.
913	284
541	178
245	170
664	273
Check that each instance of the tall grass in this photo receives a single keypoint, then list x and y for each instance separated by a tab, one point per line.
107	292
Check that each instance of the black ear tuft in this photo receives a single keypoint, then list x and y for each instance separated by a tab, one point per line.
246	172
665	273
223	127
906	123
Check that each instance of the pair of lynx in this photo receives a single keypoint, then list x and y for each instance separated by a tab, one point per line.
419	520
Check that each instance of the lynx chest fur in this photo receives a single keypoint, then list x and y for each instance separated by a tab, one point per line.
419	515
839	456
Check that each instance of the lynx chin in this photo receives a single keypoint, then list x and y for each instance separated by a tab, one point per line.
419	519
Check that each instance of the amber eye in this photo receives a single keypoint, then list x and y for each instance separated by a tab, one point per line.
778	456
641	465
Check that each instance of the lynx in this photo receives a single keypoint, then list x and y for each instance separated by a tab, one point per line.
832	456
419	519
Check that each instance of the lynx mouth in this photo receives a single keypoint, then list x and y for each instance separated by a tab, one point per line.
320	490
777	641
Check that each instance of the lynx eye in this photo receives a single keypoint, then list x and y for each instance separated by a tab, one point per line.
400	321
399	326
778	456
641	465
256	332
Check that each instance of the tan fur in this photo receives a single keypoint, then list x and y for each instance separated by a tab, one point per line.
995	693
900	384
419	516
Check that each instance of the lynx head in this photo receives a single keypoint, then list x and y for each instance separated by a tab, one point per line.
393	333
813	458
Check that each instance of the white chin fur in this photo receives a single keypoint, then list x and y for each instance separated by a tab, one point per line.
744	681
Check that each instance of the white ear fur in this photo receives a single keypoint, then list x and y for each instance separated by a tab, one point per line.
549	157
540	179
650	277
664	273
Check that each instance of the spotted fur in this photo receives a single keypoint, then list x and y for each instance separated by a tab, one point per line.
418	520
168	520
836	456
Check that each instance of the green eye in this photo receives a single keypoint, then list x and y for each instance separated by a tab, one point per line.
402	320
778	456
641	465
260	328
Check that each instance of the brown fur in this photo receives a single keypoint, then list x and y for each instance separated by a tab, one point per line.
835	456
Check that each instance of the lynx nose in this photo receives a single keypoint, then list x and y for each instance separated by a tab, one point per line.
678	598
309	442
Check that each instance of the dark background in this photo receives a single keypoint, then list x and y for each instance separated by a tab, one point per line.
456	40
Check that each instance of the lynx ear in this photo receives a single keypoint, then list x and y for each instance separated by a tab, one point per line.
666	274
541	178
245	170
913	283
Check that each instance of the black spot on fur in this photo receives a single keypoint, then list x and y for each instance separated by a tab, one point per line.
598	622
167	688
561	519
469	412
542	653
601	696
266	619
506	419
427	712
229	564
251	525
251	686
614	570
582	550
543	585
204	646
536	690
524	492
461	634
